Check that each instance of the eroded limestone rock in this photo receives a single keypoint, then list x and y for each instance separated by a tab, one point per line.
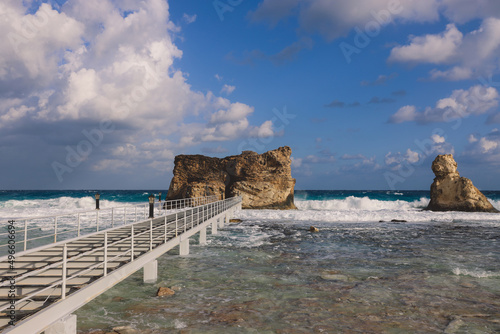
263	180
450	192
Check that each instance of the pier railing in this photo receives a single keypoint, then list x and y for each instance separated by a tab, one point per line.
33	232
50	273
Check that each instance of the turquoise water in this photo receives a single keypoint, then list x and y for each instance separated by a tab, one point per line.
274	277
269	274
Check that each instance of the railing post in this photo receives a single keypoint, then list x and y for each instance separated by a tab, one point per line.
78	225
132	243
64	269
165	237
151	235
185	220
192	218
55	229
97	197
105	254
112	217
124	215
135	214
25	234
97	221
151	206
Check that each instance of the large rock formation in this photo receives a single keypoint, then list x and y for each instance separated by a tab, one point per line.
450	192
263	180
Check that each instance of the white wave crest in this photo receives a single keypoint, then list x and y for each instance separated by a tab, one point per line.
496	204
474	273
361	203
49	207
363	209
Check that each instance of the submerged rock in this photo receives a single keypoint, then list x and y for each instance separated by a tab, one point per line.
454	326
263	180
334	275
125	330
450	192
313	229
162	291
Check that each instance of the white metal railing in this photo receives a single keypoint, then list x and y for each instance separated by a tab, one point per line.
33	232
140	237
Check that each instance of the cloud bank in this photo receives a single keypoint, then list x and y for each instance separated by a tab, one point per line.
71	68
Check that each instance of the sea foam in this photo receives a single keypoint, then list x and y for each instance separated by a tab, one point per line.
50	207
349	209
363	209
474	273
361	203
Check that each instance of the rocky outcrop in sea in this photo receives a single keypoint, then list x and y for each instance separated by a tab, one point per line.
263	180
450	192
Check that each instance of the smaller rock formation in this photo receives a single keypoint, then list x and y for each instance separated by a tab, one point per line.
450	192
163	291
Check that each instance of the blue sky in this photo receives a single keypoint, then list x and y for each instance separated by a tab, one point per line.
104	94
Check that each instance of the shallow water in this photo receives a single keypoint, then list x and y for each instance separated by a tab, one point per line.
269	274
265	276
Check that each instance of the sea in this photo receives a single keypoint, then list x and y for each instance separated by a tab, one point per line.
379	263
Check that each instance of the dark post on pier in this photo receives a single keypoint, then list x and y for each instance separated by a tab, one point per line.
97	197
159	197
151	206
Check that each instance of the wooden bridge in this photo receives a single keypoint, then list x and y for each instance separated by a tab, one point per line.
42	286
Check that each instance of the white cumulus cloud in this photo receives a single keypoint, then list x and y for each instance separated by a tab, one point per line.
484	149
469	55
477	100
228	89
96	60
434	49
396	160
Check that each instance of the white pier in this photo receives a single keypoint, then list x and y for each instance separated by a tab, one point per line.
50	282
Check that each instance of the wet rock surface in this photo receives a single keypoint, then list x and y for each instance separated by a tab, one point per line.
164	291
